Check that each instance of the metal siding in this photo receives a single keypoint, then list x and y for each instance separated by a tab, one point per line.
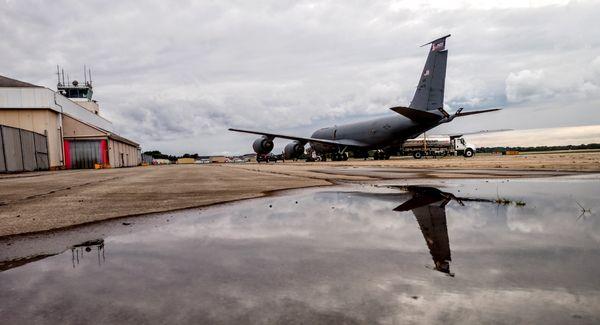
41	151
42	162
122	154
28	150
2	163
12	149
123	159
111	153
41	144
119	152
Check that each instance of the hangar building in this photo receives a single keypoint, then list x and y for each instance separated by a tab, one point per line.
43	129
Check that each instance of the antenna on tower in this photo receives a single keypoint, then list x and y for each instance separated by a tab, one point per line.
90	74
63	76
84	76
58	74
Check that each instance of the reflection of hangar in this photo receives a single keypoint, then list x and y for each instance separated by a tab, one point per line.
66	126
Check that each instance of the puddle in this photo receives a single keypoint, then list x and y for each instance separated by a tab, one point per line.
444	251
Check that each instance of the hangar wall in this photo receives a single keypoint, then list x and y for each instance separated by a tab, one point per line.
121	154
74	128
42	121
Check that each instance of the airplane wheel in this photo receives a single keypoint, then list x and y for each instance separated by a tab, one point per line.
376	155
345	157
418	155
469	153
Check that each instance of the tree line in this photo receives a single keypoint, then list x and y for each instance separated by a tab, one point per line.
159	155
540	148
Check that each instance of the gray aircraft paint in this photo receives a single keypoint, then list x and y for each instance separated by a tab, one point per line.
424	113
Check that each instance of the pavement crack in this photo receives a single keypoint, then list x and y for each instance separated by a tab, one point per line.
35	196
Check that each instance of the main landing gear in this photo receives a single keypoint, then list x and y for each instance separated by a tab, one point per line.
339	156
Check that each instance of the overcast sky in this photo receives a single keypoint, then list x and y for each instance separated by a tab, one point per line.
175	75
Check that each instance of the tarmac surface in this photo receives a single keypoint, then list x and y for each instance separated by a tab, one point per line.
41	201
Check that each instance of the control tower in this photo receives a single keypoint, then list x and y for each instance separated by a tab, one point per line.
79	93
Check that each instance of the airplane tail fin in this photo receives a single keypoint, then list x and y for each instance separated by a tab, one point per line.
429	95
427	106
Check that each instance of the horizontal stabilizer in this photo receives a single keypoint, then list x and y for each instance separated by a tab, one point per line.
416	114
436	40
477	112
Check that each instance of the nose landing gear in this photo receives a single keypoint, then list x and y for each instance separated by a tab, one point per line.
381	155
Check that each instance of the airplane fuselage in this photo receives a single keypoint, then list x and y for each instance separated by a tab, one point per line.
378	133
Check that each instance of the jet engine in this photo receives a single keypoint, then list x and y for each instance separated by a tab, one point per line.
262	145
293	150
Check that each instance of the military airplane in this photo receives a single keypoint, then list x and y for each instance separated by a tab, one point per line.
382	134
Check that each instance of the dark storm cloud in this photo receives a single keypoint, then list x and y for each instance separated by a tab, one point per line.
174	76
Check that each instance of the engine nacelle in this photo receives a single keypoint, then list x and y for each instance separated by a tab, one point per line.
262	145
293	150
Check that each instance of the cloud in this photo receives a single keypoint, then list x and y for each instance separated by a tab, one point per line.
554	83
175	76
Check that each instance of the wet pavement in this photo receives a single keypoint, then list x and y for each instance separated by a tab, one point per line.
421	173
459	251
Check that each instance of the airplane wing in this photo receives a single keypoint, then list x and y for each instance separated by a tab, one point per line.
340	142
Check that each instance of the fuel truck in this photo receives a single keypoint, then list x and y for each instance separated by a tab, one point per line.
437	146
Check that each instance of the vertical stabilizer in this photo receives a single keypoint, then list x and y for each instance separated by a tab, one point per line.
430	90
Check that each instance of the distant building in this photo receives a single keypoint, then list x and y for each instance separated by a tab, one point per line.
249	156
218	159
161	162
147	159
44	129
186	161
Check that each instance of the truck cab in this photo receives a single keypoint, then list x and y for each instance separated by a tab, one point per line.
462	147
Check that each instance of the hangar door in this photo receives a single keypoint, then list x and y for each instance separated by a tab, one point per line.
22	150
81	154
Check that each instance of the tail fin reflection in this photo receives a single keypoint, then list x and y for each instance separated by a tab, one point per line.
428	204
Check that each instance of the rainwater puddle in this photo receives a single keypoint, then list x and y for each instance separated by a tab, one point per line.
460	251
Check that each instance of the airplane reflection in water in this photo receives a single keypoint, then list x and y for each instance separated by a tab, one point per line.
429	207
428	204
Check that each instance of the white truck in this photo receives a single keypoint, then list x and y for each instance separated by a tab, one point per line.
438	146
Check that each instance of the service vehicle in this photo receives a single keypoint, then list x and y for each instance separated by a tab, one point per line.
437	146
